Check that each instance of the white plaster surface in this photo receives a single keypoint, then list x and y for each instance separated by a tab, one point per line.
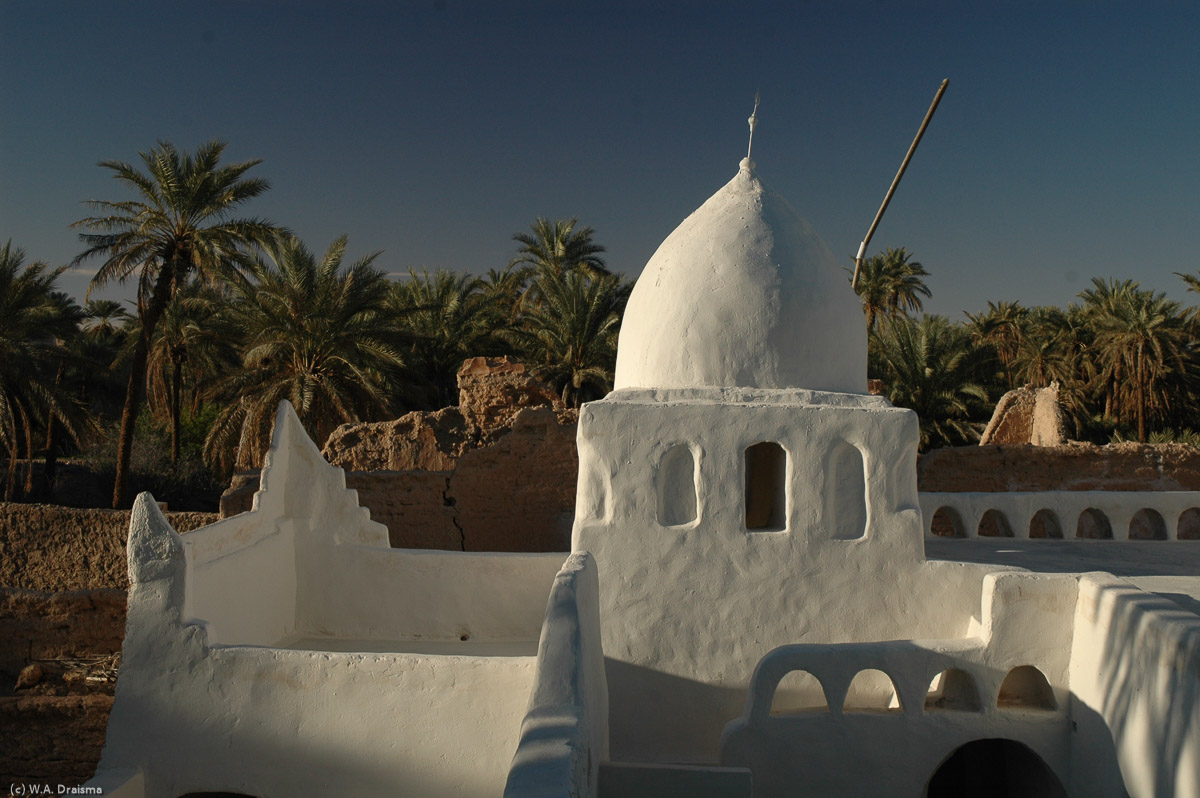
370	689
743	293
1135	678
564	737
690	610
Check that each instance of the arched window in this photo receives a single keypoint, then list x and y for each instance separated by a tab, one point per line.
1093	524
953	689
947	523
1025	687
1189	524
677	503
872	690
799	691
994	525
1044	524
846	486
1147	524
766	487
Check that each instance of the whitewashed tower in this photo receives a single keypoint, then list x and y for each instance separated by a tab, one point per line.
739	490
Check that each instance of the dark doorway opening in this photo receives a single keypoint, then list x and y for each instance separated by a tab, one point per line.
995	768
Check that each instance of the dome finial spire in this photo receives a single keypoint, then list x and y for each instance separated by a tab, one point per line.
753	120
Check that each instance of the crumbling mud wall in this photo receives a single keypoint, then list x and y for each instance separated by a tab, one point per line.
495	473
47	547
1027	415
1073	466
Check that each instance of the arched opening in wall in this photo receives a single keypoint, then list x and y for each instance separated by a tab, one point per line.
677	503
1044	524
1189	524
947	523
953	689
994	525
846	516
995	768
1025	687
766	487
1147	524
1093	525
798	691
872	690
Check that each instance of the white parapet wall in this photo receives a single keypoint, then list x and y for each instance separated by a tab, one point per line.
564	737
1125	515
408	674
1135	679
1008	680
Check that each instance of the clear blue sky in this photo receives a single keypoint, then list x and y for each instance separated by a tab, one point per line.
1068	144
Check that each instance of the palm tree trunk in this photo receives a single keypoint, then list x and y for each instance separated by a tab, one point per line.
50	470
176	389
137	384
1141	395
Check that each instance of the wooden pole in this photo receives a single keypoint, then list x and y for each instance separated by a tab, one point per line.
862	247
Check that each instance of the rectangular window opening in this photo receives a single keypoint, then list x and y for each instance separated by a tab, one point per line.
766	487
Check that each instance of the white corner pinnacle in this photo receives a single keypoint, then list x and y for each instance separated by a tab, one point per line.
155	550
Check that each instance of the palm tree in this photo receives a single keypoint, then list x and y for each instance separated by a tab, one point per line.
315	335
506	288
1000	328
890	284
35	320
570	335
177	227
105	319
932	367
193	340
559	247
448	318
1141	346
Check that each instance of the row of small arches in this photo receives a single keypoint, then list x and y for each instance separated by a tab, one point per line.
1092	524
872	690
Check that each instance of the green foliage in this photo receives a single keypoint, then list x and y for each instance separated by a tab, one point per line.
315	335
189	484
177	228
933	367
448	318
570	335
559	247
35	322
889	285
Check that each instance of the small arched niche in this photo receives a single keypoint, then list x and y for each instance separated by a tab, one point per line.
846	486
953	689
1093	524
766	487
1189	524
947	523
1025	687
1147	524
994	524
872	690
798	691
677	501
1044	524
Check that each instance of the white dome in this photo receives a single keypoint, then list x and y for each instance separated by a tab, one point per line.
743	294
